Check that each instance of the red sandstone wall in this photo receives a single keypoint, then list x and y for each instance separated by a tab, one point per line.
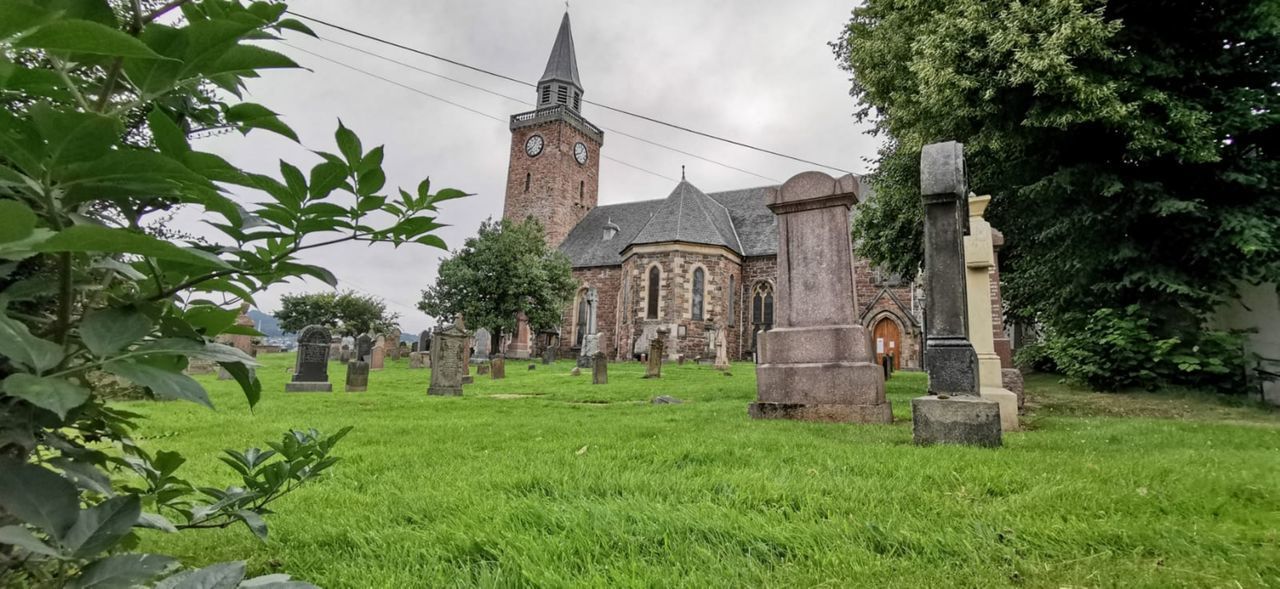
552	197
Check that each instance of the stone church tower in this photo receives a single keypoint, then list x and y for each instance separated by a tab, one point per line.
555	152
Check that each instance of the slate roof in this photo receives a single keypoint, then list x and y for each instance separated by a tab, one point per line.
563	63
735	219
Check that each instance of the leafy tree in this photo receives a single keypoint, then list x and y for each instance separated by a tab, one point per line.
347	312
94	138
1131	154
506	269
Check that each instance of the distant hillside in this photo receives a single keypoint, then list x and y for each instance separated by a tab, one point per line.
266	324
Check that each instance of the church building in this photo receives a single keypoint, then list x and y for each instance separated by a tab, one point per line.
693	263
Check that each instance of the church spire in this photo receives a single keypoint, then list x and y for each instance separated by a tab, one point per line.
560	83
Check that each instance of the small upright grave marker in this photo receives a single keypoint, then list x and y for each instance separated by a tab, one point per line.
311	372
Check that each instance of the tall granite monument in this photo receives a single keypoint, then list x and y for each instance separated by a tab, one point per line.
952	412
816	364
311	372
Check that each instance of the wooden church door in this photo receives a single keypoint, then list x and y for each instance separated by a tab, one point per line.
887	340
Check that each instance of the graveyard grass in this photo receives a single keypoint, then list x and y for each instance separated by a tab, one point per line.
543	479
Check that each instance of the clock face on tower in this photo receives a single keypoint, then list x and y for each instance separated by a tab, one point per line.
580	153
533	146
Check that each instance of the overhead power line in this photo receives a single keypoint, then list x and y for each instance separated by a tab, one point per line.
601	105
530	104
452	103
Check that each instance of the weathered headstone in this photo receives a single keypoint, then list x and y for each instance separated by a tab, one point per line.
952	412
311	371
402	350
378	355
482	339
448	350
498	368
393	343
657	349
575	372
816	363
417	360
590	345
344	354
357	377
364	348
979	259
722	352
483	368
599	369
424	341
335	348
466	350
549	354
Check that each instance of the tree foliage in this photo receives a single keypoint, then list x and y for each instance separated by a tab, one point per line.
101	100
506	269
346	312
1130	153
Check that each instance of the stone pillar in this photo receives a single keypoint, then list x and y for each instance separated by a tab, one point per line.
599	369
498	367
466	349
979	259
590	345
952	413
520	344
722	354
357	377
816	362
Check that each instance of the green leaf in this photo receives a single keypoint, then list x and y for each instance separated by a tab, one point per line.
82	36
247	58
38	497
255	116
296	25
94	10
348	144
326	177
100	527
17	16
155	521
55	394
209	319
107	331
155	77
74	137
168	136
123	571
247	379
95	238
254	522
17	343
226	575
23	538
84	474
165	384
17	221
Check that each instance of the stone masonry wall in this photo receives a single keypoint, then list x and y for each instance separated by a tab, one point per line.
554	179
607	280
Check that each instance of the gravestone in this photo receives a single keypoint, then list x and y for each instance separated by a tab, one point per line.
413	347
466	350
590	345
657	349
448	361
599	369
952	412
498	368
549	354
424	341
239	341
357	377
722	353
417	360
335	348
483	368
482	342
816	363
311	371
402	350
344	354
575	372
979	260
378	355
364	348
394	343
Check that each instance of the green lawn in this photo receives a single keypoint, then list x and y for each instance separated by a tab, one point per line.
544	480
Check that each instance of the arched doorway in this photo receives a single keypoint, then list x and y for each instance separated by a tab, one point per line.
887	339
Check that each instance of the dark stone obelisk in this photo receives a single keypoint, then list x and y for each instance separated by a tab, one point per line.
953	412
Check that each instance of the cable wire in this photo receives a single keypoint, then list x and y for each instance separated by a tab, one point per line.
601	105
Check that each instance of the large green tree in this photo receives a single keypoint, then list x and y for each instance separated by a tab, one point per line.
506	269
100	102
1131	153
346	312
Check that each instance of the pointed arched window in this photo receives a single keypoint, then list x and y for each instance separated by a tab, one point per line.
655	277
699	278
761	310
733	295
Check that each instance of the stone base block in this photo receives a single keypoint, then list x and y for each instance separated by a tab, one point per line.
829	383
1011	380
468	379
967	420
308	387
442	391
1008	403
356	389
825	344
832	412
952	365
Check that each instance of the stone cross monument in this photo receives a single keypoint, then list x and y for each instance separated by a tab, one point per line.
952	413
311	373
979	258
816	363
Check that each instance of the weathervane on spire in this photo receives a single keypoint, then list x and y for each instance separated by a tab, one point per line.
681	172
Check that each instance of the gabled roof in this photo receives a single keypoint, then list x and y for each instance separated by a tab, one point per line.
562	65
750	224
690	216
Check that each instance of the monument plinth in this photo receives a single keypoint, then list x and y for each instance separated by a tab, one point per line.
816	363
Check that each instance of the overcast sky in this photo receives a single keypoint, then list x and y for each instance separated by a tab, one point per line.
758	71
